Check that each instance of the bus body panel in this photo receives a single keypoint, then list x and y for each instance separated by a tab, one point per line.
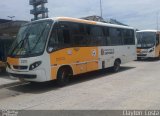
145	53
80	59
151	52
20	67
13	61
110	53
157	51
92	58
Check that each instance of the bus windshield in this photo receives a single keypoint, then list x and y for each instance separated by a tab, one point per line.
31	39
146	39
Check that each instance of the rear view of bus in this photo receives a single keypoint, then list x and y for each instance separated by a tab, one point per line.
148	45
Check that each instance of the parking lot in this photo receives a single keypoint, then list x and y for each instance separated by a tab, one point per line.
136	86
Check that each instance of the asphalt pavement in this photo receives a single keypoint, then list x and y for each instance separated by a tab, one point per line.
136	86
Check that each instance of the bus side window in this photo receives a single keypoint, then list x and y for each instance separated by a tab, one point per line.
78	34
107	37
97	36
88	35
157	39
115	36
64	34
128	37
53	41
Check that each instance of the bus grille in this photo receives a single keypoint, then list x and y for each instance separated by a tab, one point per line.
20	67
23	76
142	55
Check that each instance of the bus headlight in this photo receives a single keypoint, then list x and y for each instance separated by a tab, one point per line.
151	50
35	65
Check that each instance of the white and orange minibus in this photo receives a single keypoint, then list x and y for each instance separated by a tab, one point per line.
57	48
148	44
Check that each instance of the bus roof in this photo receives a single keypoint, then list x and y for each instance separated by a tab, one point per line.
85	21
149	31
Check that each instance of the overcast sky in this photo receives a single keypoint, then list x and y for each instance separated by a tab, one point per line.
140	14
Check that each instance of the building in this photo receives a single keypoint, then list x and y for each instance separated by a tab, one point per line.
4	21
10	28
39	10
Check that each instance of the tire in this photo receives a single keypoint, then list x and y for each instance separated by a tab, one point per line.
63	77
116	66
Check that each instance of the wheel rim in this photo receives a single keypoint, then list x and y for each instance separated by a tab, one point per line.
64	76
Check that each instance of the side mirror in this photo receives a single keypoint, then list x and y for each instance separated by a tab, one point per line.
50	49
157	40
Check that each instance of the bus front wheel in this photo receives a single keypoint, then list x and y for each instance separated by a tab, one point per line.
116	66
62	77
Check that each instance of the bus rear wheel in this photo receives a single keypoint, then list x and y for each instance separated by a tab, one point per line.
63	77
116	66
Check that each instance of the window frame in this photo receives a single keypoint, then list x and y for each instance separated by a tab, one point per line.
88	36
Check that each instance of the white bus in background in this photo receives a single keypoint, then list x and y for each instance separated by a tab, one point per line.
148	44
57	48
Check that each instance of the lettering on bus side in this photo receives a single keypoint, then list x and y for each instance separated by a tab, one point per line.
107	51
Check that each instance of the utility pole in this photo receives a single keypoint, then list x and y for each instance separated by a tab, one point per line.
101	8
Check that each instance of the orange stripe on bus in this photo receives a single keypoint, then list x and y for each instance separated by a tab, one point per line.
85	57
139	50
13	61
157	50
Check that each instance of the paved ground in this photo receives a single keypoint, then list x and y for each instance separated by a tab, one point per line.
136	86
6	81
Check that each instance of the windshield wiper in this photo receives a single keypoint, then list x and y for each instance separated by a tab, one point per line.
145	43
21	42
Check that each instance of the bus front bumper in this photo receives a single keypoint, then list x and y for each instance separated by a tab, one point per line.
35	76
149	55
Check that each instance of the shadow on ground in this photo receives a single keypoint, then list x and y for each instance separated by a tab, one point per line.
148	60
38	88
3	74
